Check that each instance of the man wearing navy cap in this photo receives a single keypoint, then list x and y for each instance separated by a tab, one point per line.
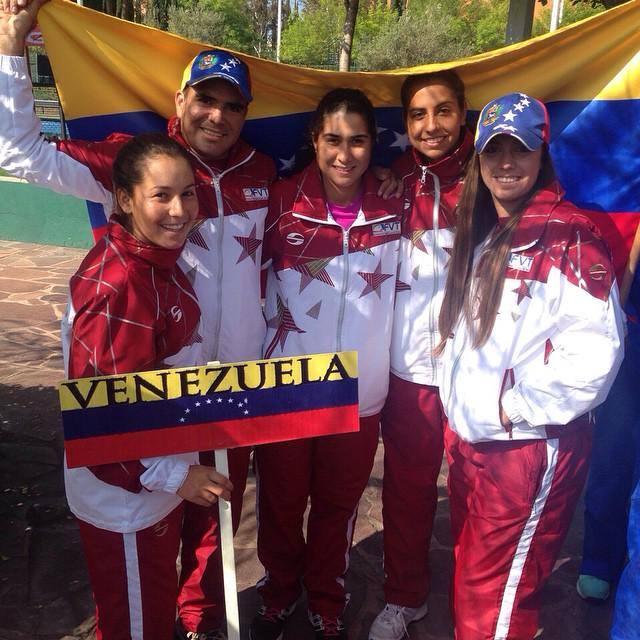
222	256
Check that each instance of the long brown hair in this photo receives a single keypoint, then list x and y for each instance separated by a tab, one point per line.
476	293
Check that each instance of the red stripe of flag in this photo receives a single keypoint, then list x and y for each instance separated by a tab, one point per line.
213	435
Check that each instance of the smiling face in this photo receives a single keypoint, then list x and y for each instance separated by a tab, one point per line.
211	114
509	170
343	151
163	205
434	119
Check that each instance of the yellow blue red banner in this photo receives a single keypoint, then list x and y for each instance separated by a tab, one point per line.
218	406
118	76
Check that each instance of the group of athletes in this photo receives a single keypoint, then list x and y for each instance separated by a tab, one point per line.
483	307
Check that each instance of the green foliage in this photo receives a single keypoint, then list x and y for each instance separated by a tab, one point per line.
572	12
313	37
216	22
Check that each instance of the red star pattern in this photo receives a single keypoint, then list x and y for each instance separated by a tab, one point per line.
284	324
197	238
374	280
249	246
314	270
522	291
416	239
401	286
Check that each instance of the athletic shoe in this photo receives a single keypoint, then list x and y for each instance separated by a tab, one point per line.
181	633
392	622
268	623
327	628
592	588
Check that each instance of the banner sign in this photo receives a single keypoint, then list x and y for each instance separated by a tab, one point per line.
218	406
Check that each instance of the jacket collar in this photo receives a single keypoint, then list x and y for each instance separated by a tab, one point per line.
159	257
238	154
534	219
311	202
452	166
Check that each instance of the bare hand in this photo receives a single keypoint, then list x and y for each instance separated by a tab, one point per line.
203	485
390	186
16	20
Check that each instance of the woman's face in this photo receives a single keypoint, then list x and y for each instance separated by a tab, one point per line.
343	152
434	120
509	170
164	204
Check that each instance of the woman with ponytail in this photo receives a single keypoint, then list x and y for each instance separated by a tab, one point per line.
531	327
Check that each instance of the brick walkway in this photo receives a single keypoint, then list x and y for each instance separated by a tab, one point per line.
44	592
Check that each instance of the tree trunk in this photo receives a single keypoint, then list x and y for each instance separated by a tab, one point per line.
347	34
127	10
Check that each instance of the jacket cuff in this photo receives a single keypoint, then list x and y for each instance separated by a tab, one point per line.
166	473
510	406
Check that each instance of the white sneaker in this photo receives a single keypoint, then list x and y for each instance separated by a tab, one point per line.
391	623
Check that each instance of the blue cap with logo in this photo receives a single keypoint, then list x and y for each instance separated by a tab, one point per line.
517	115
215	63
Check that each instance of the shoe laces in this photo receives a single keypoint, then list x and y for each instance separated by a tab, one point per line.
271	614
329	626
215	634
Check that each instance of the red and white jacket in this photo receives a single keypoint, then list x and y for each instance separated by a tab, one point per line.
131	307
331	289
428	227
556	344
222	256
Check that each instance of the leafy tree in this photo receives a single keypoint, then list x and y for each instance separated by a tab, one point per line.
215	22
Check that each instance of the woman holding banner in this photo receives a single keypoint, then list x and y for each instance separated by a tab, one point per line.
532	331
333	246
131	307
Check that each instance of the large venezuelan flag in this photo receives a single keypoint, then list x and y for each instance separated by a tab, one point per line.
118	76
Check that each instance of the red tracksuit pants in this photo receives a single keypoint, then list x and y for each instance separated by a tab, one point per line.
201	595
511	506
134	579
333	472
412	431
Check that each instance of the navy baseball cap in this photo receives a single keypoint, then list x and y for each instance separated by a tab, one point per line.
517	115
215	63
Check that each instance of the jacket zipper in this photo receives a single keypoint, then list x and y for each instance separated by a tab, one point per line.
216	179
345	255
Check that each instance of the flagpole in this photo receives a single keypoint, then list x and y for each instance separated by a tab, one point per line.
228	555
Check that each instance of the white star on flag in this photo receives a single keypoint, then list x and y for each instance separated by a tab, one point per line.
402	140
287	164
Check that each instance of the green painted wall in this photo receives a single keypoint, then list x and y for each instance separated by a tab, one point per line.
34	214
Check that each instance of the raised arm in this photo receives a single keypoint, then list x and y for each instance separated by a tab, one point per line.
24	153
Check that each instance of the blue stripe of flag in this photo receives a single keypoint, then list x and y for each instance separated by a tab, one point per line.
157	414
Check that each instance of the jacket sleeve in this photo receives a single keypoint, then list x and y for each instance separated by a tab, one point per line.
103	344
584	354
25	153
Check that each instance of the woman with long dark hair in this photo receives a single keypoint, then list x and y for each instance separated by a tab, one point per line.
333	246
531	327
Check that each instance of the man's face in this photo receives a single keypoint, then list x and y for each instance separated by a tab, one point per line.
211	114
